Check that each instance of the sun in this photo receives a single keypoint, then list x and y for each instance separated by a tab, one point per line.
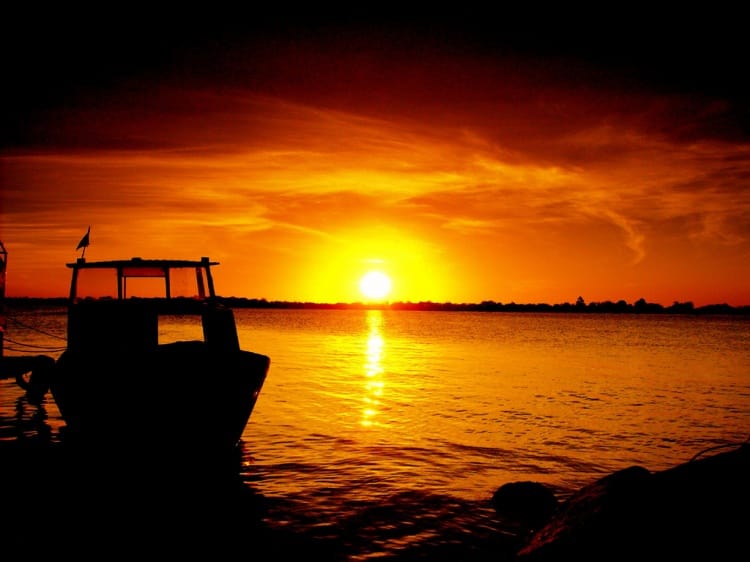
375	285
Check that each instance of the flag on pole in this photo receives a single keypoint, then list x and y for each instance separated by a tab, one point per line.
84	242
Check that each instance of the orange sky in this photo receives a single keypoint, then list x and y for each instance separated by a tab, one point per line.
467	166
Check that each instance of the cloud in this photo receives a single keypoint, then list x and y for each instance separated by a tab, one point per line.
465	149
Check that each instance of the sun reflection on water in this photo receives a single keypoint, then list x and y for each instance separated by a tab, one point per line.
373	369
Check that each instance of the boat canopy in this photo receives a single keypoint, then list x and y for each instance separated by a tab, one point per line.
147	268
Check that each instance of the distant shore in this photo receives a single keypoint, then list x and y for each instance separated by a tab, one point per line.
580	306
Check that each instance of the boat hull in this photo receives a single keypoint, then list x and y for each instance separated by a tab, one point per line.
180	396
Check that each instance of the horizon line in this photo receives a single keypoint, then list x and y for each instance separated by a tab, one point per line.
640	305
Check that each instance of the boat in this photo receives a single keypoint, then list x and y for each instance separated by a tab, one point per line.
120	382
31	372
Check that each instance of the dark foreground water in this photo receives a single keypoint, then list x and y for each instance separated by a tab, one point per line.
91	503
384	434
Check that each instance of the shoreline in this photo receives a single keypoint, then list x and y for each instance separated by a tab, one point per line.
640	307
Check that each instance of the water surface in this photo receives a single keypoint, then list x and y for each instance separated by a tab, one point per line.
394	428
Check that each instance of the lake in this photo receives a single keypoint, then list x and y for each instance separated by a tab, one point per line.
389	431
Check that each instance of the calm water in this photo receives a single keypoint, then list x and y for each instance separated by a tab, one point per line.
396	427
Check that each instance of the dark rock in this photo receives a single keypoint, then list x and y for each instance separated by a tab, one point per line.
531	504
697	509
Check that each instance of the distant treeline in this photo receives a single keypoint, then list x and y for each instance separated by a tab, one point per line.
619	307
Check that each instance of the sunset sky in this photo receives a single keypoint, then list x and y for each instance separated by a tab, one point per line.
468	160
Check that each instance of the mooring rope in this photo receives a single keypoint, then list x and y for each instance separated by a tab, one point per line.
35	329
27	345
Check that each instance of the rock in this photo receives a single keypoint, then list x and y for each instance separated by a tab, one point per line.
529	503
697	509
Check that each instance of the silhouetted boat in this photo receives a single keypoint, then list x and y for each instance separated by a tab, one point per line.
117	384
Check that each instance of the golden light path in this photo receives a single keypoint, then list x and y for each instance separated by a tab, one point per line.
373	369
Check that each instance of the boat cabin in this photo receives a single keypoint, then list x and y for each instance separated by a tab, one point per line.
116	305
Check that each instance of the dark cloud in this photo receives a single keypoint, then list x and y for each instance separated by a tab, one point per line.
77	60
55	52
